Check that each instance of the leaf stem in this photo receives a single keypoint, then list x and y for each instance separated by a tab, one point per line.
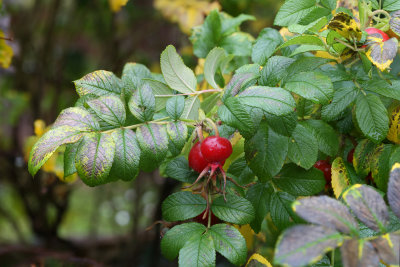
134	126
194	93
345	44
213	125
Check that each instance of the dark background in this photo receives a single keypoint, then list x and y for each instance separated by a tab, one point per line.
48	222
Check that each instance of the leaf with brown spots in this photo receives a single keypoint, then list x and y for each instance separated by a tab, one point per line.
340	177
346	26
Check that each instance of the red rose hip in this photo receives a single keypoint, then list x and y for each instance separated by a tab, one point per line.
216	149
325	167
370	31
196	160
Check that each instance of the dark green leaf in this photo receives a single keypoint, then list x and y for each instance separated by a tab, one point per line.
265	45
178	169
275	70
237	83
127	155
99	83
133	75
363	156
176	74
110	109
142	103
69	159
198	251
280	206
175	106
176	238
326	211
230	243
241	171
94	158
283	125
300	182
273	100
181	206
327	138
380	167
305	64
314	86
342	98
303	148
177	133
382	87
153	142
235	210
368	205
372	117
259	195
301	40
305	244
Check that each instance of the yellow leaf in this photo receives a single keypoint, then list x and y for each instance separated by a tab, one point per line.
6	52
394	131
340	177
39	127
258	260
345	25
116	5
187	13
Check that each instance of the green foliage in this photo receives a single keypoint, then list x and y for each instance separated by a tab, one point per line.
284	102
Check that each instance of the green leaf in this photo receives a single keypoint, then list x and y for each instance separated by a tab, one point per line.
280	207
127	155
207	36
159	90
368	205
259	195
181	206
302	40
198	252
314	86
175	106
380	165
191	110
176	238
153	142
300	182
99	83
372	117
306	64
393	193
342	98
363	156
305	244
238	44
48	143
273	100
307	48
77	118
133	75
69	159
292	11
331	4
178	169
237	83
235	210
233	114
241	171
230	243
275	70
177	134
391	5
265	45
266	152
176	74
142	103
314	26
110	109
214	61
230	25
94	158
357	252
326	211
382	87
327	138
303	148
283	125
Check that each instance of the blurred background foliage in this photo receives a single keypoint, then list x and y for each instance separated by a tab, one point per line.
44	46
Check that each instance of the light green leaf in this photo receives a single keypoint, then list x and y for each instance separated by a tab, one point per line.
280	206
133	75
159	90
78	119
214	61
142	103
176	74
265	45
191	110
238	44
94	158
302	40
198	252
391	5
175	106
293	10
